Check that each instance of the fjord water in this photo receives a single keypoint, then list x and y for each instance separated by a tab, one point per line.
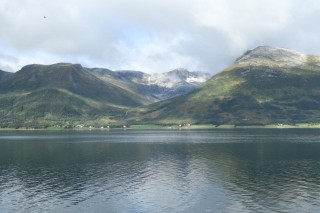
235	170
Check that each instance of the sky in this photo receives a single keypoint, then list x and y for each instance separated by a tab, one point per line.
152	35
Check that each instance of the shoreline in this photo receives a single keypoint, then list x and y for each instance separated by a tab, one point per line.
175	127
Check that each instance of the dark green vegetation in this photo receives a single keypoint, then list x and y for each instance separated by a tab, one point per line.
68	95
62	95
264	86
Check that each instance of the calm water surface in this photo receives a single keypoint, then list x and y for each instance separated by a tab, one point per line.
235	170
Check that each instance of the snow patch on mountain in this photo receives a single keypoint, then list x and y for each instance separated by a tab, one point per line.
172	79
177	78
272	55
166	85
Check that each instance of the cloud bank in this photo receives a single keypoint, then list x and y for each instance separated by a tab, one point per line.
152	36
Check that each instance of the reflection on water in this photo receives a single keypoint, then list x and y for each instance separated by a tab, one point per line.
160	171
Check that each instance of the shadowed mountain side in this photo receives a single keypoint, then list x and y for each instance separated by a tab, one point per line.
4	75
54	105
72	77
61	92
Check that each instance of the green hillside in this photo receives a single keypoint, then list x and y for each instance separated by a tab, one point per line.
265	85
62	94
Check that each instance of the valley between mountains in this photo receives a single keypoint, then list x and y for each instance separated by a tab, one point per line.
67	95
266	85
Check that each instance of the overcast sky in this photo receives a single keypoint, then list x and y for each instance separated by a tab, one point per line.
152	35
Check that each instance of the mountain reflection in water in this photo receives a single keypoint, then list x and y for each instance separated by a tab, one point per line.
232	170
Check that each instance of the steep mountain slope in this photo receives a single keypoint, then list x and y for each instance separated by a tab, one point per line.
62	92
72	77
265	85
4	75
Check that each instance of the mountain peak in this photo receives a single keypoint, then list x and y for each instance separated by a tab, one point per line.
267	85
274	54
67	65
40	67
181	69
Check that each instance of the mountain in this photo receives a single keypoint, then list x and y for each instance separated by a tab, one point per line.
71	77
158	87
68	94
3	75
265	85
62	92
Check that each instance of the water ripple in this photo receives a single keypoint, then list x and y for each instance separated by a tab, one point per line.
223	171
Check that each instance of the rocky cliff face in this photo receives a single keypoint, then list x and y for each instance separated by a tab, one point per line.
160	86
178	78
277	57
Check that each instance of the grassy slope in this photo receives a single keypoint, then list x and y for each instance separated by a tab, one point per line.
73	78
62	92
262	93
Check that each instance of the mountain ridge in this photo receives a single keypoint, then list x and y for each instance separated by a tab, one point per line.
68	92
266	85
159	86
261	87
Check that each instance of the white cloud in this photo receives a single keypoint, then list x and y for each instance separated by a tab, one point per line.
153	36
244	22
160	54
